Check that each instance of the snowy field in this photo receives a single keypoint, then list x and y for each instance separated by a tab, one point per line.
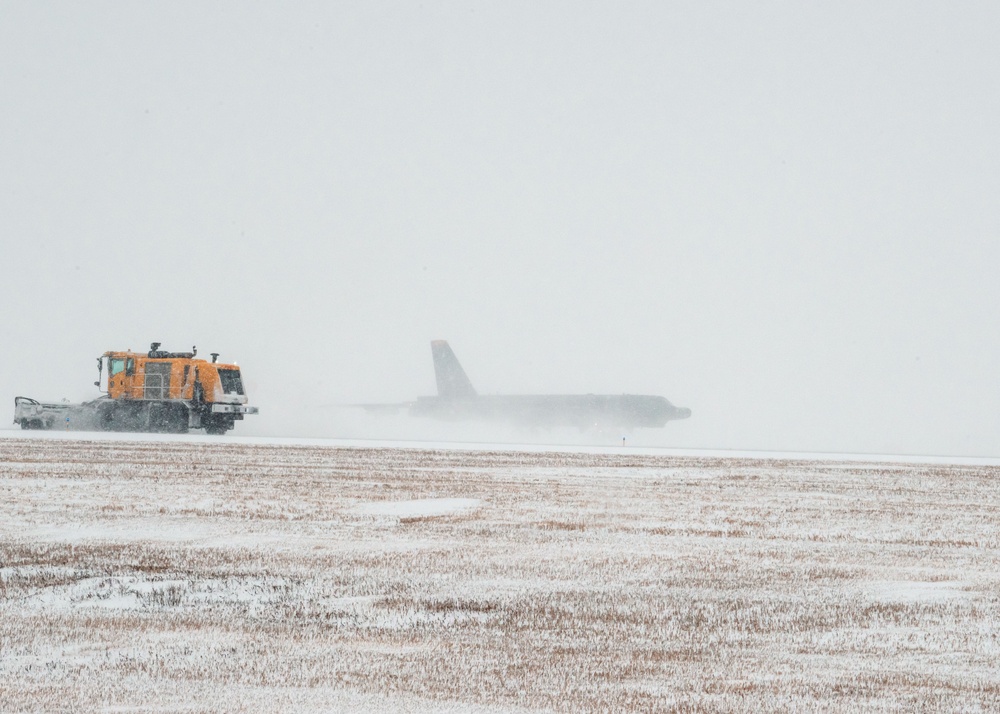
194	574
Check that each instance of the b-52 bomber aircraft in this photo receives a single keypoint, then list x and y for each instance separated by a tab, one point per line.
458	400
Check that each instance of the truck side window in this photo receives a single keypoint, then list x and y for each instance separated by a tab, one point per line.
117	365
129	367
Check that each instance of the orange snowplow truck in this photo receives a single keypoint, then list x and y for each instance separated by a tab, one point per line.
154	392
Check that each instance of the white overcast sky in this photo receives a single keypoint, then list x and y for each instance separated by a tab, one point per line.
783	215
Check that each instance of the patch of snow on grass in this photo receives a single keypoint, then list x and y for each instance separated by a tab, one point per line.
907	591
121	530
420	508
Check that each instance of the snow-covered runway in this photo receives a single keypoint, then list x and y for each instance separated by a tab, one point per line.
205	575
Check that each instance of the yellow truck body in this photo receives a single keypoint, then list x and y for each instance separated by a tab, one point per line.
155	391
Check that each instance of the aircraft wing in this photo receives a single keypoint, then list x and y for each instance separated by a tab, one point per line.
380	408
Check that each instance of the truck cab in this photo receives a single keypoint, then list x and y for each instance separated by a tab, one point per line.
172	375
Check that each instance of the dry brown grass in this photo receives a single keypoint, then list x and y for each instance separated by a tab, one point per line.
203	576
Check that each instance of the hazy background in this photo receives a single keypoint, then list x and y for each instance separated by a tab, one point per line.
782	215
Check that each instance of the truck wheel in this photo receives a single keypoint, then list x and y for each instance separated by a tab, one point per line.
216	425
106	417
168	418
174	418
180	420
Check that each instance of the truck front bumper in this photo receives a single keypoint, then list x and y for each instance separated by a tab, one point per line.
233	409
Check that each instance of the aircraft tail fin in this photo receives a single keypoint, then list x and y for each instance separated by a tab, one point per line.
451	378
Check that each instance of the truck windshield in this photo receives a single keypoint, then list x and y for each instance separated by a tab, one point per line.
117	365
231	382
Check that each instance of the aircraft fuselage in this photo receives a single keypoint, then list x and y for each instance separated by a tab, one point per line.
546	410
